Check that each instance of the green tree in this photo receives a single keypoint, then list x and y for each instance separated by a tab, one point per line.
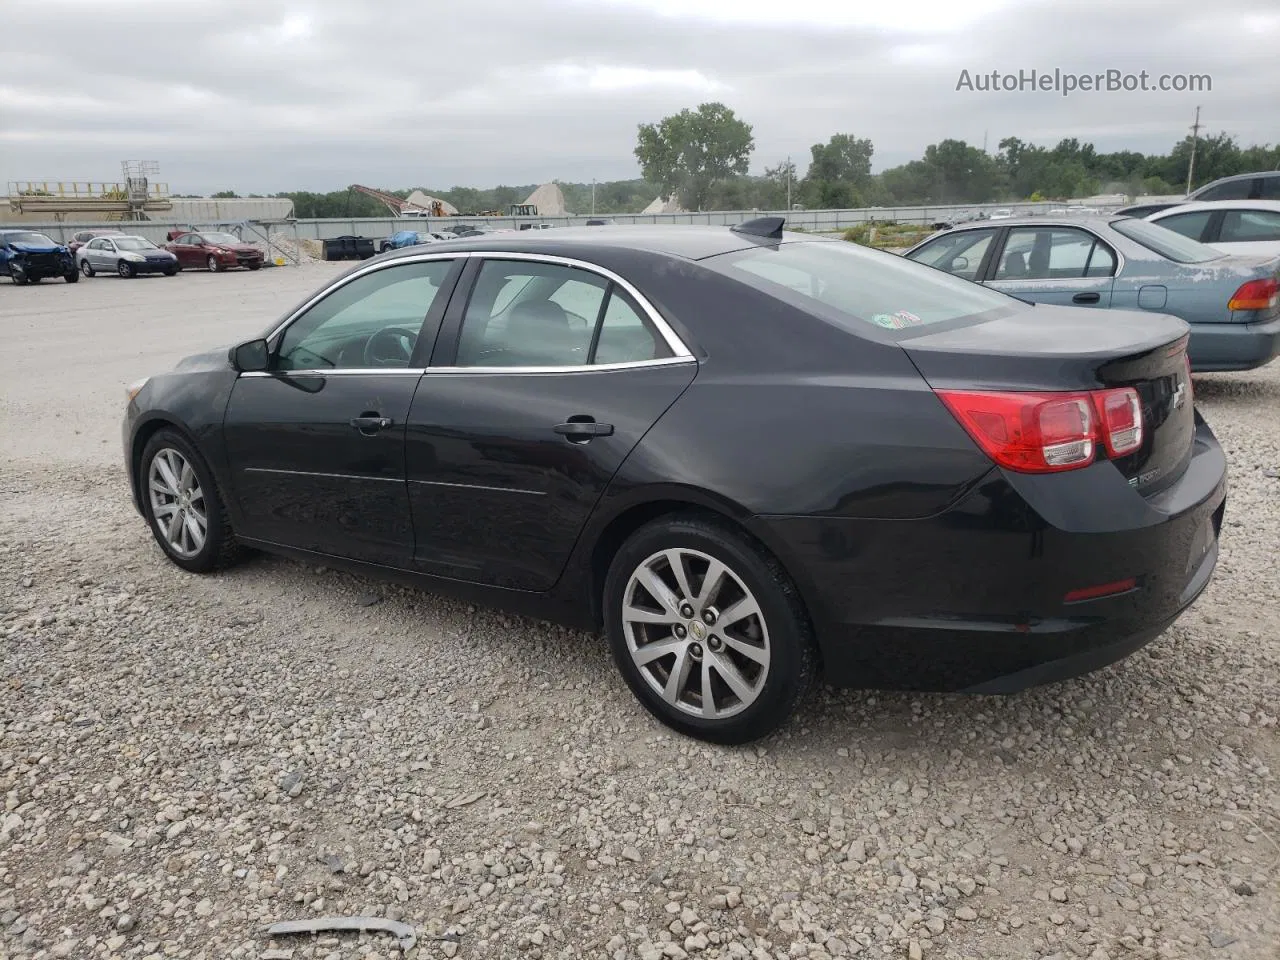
839	172
687	153
226	195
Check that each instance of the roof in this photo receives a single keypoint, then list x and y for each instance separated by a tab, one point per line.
1072	220
1194	206
686	242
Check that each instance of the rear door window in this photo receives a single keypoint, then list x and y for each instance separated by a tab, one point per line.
1245	226
525	313
1053	253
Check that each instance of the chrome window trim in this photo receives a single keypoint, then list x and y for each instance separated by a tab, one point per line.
568	368
464	371
339	372
677	346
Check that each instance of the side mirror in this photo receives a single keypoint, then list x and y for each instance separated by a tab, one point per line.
959	263
251	356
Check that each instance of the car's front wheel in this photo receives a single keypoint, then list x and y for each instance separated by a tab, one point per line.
707	629
213	264
85	268
125	269
183	505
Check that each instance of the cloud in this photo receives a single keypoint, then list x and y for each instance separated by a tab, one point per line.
310	94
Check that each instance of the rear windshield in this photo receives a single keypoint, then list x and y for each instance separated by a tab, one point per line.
861	286
1162	240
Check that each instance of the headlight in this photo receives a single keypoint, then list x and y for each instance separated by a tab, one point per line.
132	390
135	257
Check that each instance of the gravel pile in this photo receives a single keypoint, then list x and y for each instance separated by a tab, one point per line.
184	760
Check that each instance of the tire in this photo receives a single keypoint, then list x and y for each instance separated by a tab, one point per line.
212	263
126	270
85	268
254	266
218	548
771	653
72	277
171	272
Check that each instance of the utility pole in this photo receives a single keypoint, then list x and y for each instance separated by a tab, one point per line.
984	141
593	196
1195	138
788	183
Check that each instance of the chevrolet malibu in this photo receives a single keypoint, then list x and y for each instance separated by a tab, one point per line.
749	457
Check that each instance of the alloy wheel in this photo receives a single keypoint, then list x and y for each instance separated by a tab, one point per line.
696	633
85	268
177	502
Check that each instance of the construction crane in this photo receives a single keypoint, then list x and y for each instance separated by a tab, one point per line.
398	206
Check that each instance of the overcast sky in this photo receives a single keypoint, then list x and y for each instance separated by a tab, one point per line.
267	95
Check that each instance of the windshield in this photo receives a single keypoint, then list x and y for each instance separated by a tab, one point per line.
133	243
863	287
220	238
35	239
1162	240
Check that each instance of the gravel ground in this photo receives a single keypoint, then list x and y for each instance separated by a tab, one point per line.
185	759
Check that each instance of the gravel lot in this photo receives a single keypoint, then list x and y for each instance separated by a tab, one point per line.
184	759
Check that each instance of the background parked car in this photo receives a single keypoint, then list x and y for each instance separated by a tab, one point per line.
1231	303
84	236
214	250
409	238
1263	185
1232	226
126	256
29	257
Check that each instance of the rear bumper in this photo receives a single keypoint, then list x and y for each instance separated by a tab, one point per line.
973	599
1234	346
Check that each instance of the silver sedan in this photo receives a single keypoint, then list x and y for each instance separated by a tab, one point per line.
125	256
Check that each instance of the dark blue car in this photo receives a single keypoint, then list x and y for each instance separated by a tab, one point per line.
28	257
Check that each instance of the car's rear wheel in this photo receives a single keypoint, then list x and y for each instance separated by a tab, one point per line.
213	263
125	269
183	505
85	268
171	271
707	630
255	265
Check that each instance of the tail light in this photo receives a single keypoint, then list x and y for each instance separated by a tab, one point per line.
1256	295
1049	432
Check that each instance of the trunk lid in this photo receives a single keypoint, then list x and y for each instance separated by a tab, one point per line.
1061	349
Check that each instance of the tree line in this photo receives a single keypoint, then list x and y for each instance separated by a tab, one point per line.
700	157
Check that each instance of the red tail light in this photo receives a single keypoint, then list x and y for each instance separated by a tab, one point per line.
1049	432
1256	295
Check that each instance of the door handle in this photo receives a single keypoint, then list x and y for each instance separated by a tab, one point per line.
1086	298
582	430
369	425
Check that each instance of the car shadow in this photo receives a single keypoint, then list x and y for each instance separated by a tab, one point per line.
1245	388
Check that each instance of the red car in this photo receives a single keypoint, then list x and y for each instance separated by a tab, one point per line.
215	250
84	236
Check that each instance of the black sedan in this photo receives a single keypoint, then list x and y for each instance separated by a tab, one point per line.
750	457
